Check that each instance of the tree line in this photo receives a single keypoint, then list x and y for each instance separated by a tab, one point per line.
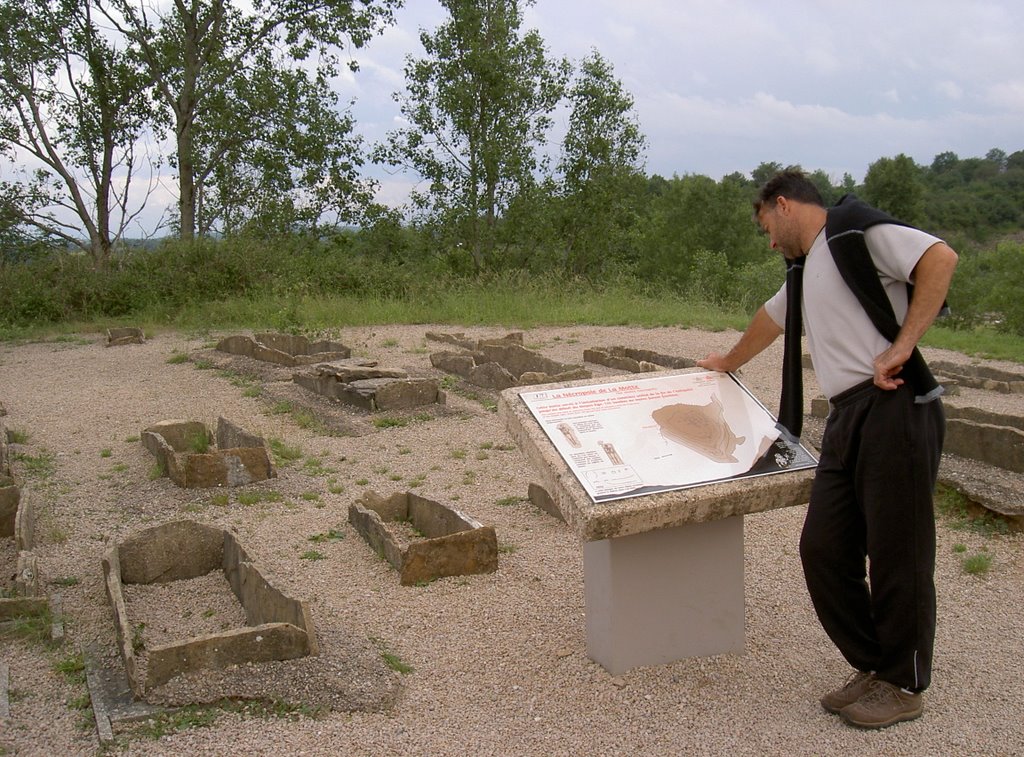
237	99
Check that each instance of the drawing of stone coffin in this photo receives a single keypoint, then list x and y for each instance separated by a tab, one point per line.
369	387
283	349
239	458
454	544
500	366
633	360
279	627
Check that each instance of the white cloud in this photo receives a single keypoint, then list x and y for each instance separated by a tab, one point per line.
949	89
1008	95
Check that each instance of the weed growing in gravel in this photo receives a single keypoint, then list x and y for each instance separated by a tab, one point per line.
106	452
155	472
961	514
65	581
32	628
177	358
283	453
203	365
37	466
509	501
392	660
166	723
327	536
131	439
387	422
220	500
977	564
199	442
312	554
71	667
18	436
458	454
280	408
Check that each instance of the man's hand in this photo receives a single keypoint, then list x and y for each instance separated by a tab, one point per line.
887	368
715	362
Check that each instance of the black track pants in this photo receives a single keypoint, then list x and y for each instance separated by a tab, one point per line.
871	505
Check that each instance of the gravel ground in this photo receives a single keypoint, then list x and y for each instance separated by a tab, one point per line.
499	664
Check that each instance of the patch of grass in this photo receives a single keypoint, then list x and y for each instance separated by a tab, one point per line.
284	453
327	536
198	442
392	660
458	454
203	364
18	436
106	452
390	422
312	554
961	514
255	496
220	500
282	407
977	564
417	480
177	357
509	501
362	481
138	642
71	667
119	467
508	549
36	629
131	439
65	581
959	548
314	466
37	466
252	391
156	471
310	496
166	723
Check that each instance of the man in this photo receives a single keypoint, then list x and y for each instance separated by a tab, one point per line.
871	501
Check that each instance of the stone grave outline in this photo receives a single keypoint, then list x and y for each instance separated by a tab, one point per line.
454	544
238	457
279	627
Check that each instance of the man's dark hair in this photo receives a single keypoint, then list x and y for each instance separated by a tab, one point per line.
791	184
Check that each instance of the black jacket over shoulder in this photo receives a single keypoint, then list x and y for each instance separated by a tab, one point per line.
845	225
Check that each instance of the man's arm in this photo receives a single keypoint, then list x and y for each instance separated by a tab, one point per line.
761	332
932	276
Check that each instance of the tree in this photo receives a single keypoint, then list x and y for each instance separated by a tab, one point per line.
894	185
602	169
245	103
76	105
478	107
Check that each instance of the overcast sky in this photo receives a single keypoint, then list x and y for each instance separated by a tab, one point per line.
723	85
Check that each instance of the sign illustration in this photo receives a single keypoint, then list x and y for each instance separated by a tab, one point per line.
643	435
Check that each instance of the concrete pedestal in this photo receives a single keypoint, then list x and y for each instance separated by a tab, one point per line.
665	595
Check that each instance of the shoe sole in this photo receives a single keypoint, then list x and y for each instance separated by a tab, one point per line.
903	717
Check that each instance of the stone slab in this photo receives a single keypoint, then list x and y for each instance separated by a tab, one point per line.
127	335
1002	446
279	628
112	699
454	544
595	521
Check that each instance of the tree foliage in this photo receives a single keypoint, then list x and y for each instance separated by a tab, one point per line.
479	107
244	90
75	105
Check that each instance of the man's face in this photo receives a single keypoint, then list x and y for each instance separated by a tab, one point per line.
779	223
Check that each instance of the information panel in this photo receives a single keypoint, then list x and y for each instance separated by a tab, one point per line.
639	436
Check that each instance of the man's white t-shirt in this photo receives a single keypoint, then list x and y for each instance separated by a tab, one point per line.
842	340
